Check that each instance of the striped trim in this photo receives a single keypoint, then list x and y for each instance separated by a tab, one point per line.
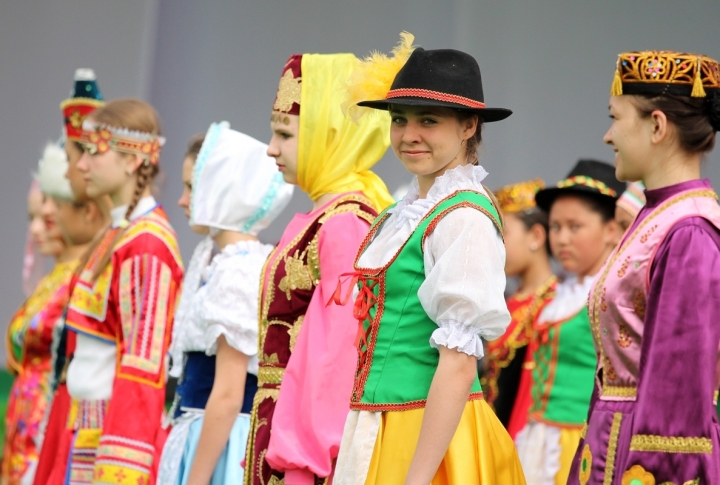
587	182
436	95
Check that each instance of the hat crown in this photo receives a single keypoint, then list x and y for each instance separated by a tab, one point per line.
86	85
601	171
441	70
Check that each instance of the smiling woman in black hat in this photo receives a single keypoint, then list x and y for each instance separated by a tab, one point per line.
431	280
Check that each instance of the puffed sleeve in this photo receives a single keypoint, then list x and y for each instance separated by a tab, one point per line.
229	302
674	427
465	280
315	394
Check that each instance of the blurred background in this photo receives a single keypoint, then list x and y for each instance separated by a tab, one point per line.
551	62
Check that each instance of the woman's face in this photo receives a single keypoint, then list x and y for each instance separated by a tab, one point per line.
54	242
521	244
579	238
107	173
38	231
74	221
185	198
429	140
74	176
630	136
283	146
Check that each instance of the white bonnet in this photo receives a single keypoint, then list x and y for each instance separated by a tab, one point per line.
236	186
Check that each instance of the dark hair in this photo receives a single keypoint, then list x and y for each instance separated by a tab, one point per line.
194	146
601	204
473	143
696	119
533	217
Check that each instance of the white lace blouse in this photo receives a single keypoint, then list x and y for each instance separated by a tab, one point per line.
226	304
464	260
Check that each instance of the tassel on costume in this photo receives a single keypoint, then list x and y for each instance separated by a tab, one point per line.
698	91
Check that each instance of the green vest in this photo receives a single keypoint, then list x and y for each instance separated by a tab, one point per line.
398	364
564	372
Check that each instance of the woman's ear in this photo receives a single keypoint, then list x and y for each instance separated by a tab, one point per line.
538	236
612	233
660	127
469	126
132	161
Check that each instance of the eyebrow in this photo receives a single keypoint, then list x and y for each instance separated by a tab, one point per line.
421	113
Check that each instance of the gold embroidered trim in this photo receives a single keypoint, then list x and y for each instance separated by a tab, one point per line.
294	331
618	391
289	92
583	432
670	444
297	275
612	449
270	375
313	259
354	208
598	290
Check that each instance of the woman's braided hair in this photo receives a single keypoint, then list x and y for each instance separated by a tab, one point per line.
135	115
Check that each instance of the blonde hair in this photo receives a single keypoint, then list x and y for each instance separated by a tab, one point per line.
135	115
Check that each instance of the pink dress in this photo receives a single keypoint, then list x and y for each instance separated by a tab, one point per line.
307	352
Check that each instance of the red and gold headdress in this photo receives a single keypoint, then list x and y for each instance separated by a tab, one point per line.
99	138
287	99
665	72
519	197
86	98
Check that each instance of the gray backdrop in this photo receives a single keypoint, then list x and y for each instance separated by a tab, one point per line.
551	62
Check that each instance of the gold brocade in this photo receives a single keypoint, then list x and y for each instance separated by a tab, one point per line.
295	331
670	444
334	153
519	197
270	375
289	92
585	465
612	448
666	67
297	275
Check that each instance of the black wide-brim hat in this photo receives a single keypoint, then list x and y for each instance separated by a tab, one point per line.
444	77
589	177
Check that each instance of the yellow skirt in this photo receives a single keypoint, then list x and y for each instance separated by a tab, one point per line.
481	452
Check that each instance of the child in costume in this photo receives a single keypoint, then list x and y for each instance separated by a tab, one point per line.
306	348
30	333
507	377
653	308
430	278
122	305
85	98
236	192
629	205
583	232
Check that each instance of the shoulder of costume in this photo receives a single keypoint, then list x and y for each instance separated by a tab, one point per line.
152	229
356	204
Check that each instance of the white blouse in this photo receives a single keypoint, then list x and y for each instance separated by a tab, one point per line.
226	304
464	260
571	297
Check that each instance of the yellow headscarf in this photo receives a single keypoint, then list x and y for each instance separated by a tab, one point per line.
334	153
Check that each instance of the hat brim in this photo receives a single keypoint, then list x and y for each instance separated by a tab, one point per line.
546	197
488	114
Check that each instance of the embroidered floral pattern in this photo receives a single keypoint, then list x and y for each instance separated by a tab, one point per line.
637	475
646	236
585	465
624	339
297	275
639	304
623	267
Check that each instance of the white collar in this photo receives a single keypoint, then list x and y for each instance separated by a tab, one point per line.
144	205
411	209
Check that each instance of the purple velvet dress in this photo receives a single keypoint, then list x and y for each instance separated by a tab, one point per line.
659	425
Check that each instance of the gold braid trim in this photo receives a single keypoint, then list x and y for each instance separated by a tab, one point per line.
612	449
270	375
670	444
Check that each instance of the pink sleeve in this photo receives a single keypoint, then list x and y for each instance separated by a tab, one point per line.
315	393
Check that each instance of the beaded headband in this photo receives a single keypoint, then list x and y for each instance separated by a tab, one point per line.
519	197
587	182
99	138
665	72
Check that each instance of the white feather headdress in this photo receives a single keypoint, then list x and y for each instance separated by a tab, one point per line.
51	172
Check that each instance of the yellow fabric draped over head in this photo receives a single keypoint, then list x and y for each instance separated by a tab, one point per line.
334	153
